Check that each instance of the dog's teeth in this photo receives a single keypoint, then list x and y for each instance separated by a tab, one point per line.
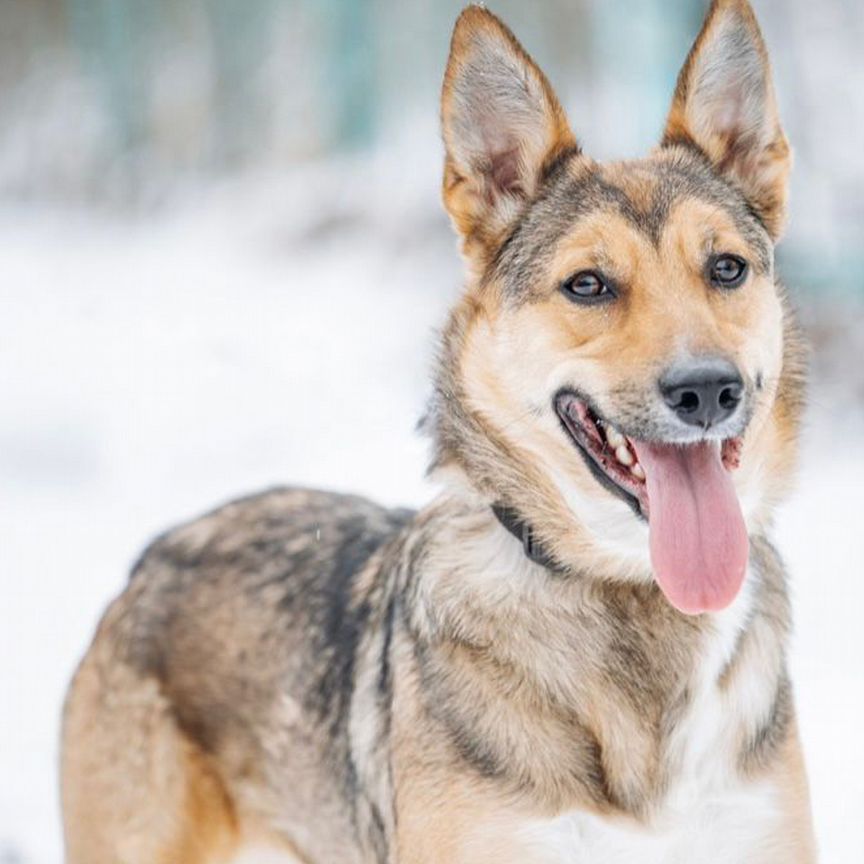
623	455
637	471
615	438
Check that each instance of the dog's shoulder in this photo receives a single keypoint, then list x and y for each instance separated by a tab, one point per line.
264	590
286	557
287	525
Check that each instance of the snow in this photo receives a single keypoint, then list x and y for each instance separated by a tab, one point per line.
153	366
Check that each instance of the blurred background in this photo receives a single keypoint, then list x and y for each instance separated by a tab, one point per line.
222	263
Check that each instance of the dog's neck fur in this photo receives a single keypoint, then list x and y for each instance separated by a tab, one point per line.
625	697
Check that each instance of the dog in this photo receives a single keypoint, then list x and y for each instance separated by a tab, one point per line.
577	651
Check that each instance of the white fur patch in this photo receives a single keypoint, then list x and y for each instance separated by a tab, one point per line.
263	854
612	524
729	827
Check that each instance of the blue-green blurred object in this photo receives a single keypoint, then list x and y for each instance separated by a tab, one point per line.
122	100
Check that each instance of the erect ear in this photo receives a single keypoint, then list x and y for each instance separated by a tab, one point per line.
724	104
502	125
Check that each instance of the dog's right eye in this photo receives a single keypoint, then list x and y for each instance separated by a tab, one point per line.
586	287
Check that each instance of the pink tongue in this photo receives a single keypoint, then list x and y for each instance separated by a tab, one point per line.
699	543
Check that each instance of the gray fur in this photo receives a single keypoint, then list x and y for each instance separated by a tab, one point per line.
679	173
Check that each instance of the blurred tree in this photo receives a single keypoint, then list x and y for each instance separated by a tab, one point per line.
238	32
30	31
349	71
114	39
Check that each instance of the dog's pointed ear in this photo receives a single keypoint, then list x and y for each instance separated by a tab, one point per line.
502	125
724	103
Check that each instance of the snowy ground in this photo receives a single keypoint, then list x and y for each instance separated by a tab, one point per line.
152	368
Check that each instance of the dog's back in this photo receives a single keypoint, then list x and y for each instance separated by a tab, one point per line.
220	679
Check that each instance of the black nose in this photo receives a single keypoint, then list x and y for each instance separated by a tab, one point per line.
703	392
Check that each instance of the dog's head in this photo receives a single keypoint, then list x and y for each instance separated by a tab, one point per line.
622	369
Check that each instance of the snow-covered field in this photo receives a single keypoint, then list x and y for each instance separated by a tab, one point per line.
153	367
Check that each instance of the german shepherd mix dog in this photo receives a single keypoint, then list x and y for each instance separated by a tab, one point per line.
576	653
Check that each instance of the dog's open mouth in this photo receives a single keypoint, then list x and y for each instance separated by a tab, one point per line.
698	539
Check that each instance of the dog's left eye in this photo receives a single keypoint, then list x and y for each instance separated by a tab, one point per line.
586	286
727	271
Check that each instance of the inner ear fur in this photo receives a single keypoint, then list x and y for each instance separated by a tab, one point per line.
725	105
502	126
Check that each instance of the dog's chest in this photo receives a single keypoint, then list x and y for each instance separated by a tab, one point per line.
708	813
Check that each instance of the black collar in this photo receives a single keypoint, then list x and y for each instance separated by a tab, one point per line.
524	533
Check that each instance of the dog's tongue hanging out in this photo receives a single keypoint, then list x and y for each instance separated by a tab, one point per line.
698	539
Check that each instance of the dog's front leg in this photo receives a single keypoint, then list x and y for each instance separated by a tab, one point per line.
794	840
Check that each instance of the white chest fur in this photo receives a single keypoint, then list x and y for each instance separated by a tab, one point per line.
734	826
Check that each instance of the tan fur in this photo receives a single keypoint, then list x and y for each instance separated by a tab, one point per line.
666	299
171	806
792	779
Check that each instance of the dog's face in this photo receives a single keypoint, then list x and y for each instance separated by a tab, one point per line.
622	340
